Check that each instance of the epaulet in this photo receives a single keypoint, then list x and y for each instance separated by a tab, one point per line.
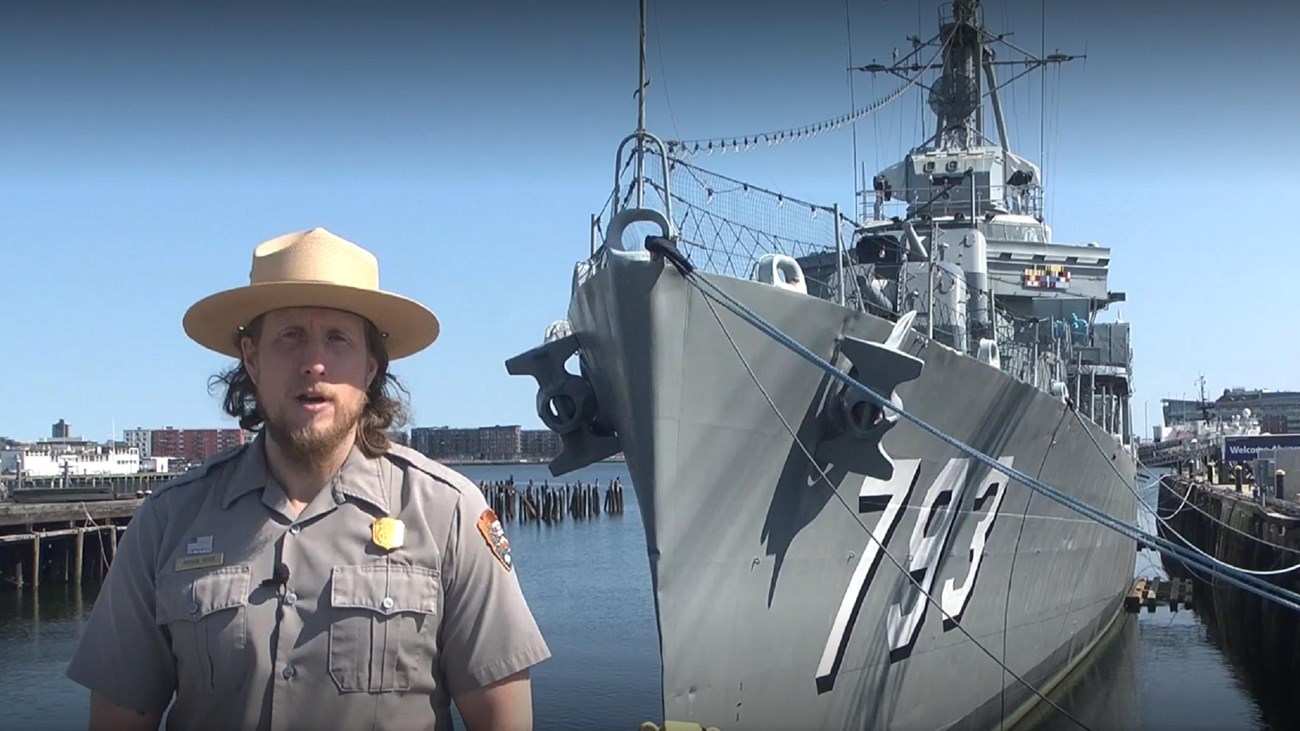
429	466
202	470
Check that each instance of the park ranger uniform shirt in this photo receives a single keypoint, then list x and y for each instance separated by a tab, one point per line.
256	619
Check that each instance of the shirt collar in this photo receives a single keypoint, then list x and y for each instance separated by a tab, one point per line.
364	479
250	473
360	477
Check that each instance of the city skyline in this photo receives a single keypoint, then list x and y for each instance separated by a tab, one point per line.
163	449
228	423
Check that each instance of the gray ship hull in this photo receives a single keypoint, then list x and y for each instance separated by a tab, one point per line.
774	609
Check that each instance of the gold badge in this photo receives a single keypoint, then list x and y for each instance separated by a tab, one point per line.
388	533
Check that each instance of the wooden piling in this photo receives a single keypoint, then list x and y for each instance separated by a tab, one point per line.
102	564
78	560
547	503
1133	601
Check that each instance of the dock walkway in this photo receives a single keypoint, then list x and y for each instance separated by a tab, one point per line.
47	541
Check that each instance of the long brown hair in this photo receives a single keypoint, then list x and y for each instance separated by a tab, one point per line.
385	407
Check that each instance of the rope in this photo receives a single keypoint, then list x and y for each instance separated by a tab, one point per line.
1163	521
1187	503
99	532
1253	584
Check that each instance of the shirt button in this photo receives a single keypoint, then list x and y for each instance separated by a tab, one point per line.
288	672
291	598
194	607
295	529
387	603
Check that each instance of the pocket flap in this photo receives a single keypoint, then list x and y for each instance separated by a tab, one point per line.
385	588
182	598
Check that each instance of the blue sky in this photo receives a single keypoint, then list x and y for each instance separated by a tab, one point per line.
150	146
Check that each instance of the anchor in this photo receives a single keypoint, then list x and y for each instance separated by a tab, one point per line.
566	403
856	423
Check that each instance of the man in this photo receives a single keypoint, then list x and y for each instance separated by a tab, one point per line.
320	576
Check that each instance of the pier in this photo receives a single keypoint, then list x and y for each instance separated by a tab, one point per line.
60	542
65	529
98	487
1247	526
1238	522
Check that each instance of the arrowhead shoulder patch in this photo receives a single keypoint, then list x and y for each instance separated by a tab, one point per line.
495	535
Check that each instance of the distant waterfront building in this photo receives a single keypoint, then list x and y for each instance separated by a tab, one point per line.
1274	424
64	445
1276	406
44	460
442	442
509	443
141	450
1181	411
141	439
491	443
193	445
155	464
1278	412
540	444
61	430
499	442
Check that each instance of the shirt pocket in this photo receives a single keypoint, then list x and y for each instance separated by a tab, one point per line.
206	615
383	628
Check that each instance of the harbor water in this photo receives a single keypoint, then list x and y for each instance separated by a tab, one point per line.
588	583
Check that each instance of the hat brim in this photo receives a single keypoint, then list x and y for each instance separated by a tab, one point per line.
214	321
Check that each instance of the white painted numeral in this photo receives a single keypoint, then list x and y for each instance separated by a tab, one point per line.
876	495
954	600
926	549
932	534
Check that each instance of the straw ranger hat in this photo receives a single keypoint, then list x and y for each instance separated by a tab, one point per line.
311	269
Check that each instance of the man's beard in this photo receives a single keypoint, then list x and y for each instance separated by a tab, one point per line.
308	446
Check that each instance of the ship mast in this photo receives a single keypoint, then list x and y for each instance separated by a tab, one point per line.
1202	403
956	98
634	146
640	116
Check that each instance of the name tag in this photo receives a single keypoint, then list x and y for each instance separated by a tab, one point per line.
200	562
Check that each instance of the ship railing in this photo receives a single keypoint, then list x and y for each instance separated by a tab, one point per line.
902	202
724	225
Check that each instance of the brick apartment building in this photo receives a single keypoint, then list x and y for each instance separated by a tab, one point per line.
489	443
193	445
539	444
